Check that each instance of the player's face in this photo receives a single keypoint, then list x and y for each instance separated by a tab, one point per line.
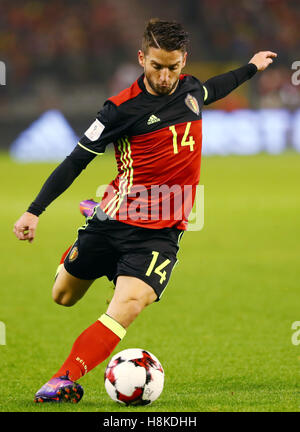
162	69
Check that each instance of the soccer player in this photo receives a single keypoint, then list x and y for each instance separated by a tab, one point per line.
155	126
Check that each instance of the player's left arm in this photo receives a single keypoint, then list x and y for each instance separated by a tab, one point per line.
221	85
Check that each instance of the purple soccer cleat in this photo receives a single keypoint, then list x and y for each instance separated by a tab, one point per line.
60	389
86	207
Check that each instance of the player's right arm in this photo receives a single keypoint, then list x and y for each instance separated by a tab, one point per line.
93	143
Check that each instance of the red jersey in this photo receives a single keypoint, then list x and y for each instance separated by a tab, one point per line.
157	141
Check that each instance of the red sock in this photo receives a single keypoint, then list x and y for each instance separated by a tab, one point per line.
92	347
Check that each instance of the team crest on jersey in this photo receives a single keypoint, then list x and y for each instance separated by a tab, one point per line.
192	103
73	254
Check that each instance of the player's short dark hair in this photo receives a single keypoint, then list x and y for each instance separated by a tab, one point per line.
167	35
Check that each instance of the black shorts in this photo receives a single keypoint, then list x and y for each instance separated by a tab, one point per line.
111	248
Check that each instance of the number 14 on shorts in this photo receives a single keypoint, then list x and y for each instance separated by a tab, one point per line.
159	269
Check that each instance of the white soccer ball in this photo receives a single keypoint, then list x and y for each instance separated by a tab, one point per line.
134	377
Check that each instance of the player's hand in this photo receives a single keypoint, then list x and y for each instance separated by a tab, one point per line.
25	227
263	59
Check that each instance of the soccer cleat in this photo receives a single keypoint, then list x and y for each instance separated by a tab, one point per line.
86	207
60	389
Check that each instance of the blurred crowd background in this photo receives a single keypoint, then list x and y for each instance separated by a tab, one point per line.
71	55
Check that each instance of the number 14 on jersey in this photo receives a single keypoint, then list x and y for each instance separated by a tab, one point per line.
186	139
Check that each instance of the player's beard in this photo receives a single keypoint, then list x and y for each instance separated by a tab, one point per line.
161	90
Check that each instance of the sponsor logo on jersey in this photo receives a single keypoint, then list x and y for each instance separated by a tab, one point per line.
73	254
95	130
192	103
152	119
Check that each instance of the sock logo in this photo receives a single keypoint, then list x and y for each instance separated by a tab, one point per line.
83	364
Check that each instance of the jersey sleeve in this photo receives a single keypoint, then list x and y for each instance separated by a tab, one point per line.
221	85
106	128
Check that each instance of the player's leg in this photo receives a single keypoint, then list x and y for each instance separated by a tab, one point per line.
99	340
141	276
131	296
78	267
68	289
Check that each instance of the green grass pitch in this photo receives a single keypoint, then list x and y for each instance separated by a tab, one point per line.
222	330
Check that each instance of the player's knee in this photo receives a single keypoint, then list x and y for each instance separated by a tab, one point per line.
135	305
63	298
148	297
